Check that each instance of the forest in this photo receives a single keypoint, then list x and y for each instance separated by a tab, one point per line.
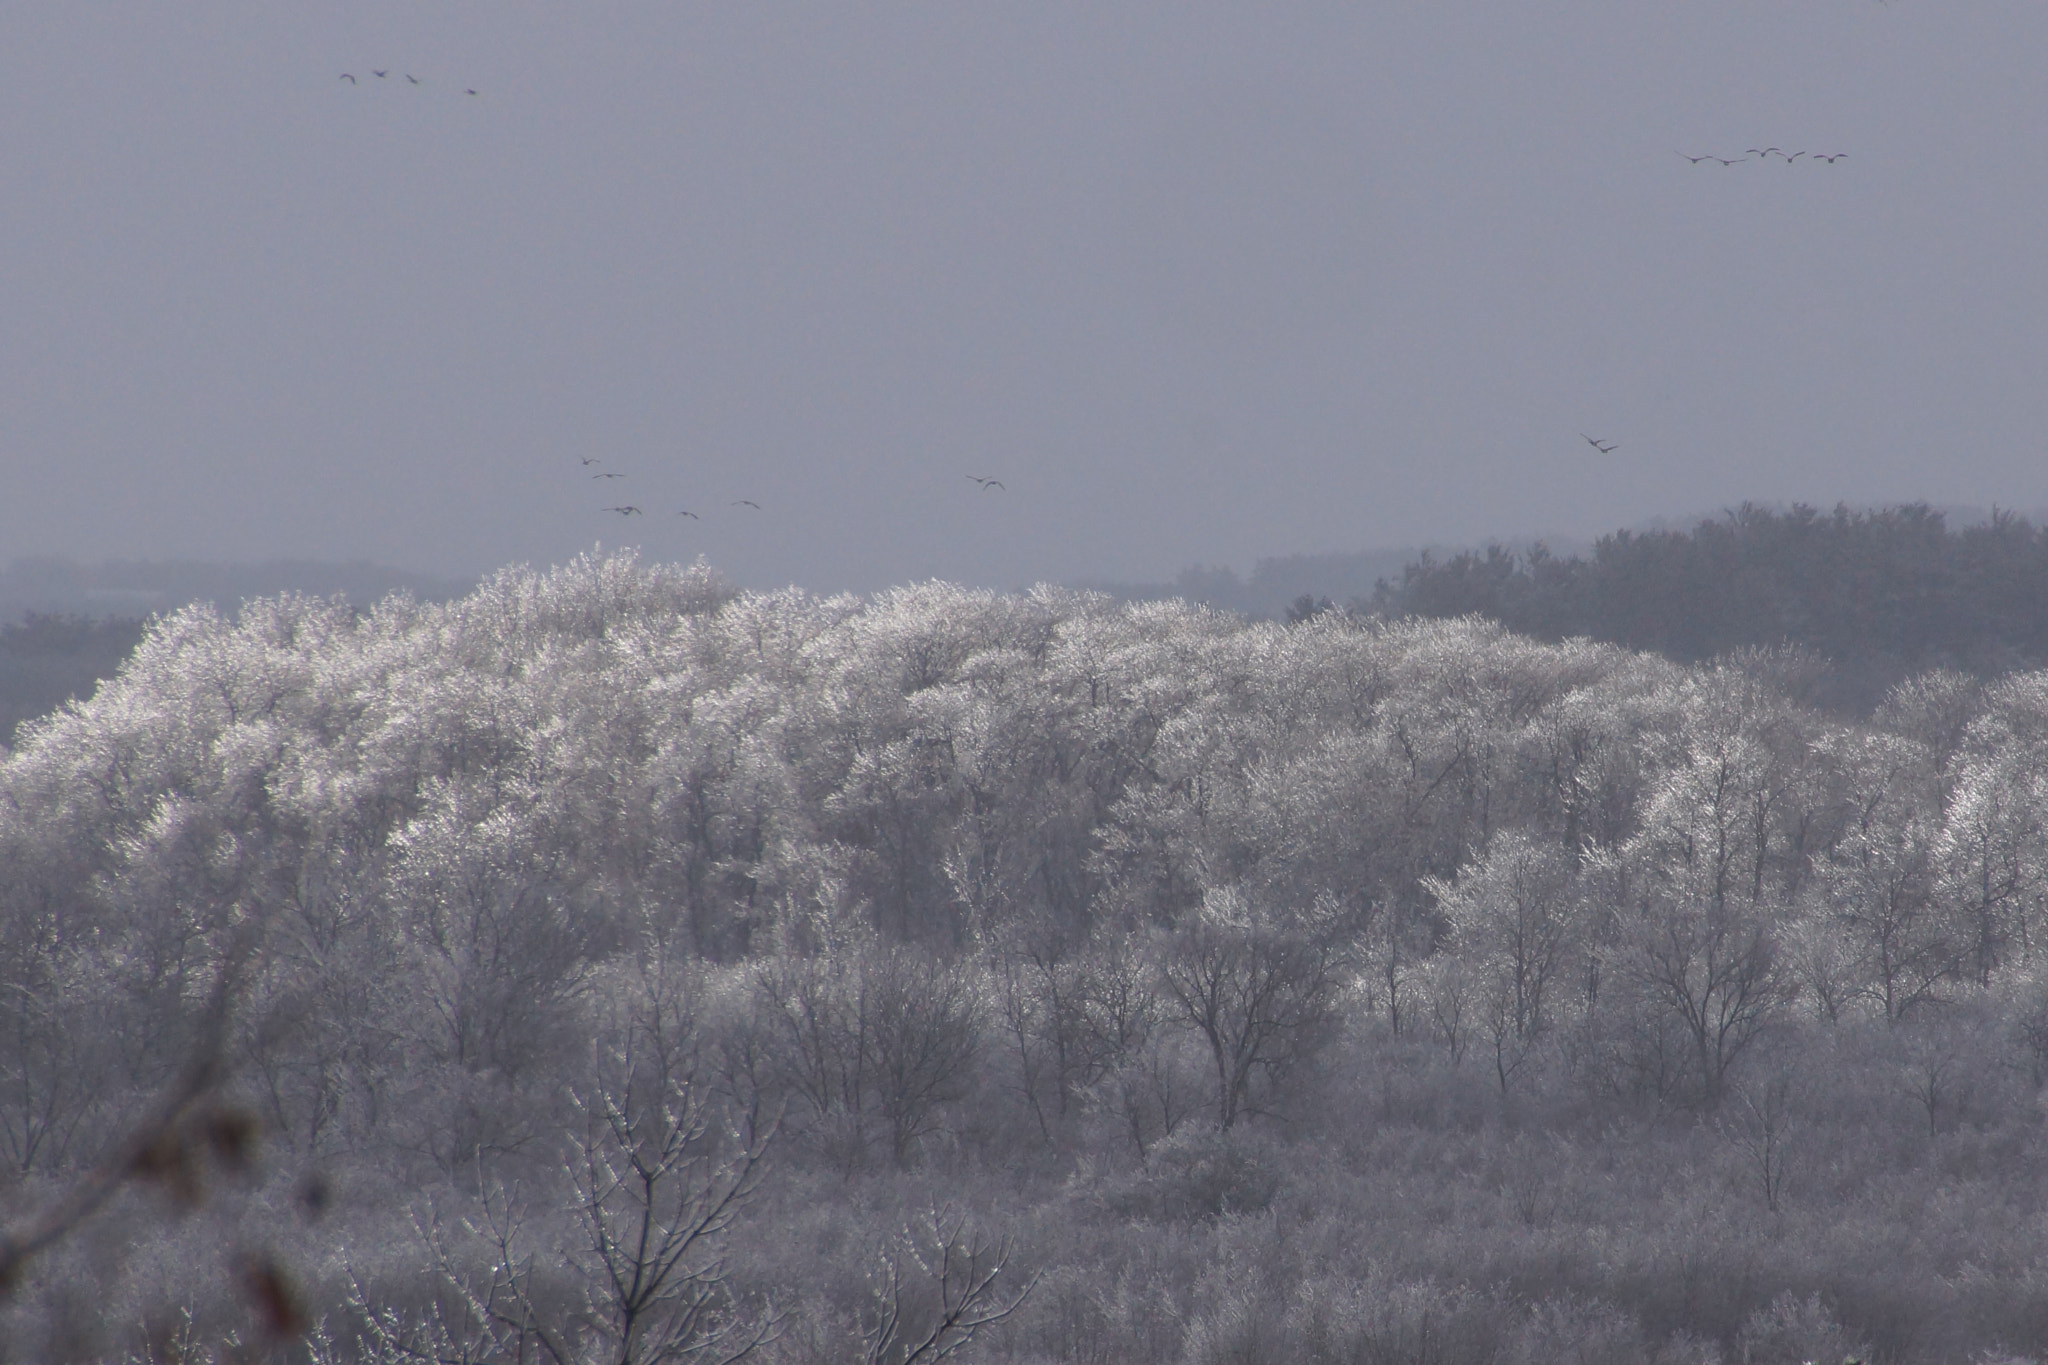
1880	594
612	965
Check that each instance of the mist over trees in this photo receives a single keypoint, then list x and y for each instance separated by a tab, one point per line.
51	586
1879	595
1273	582
68	625
629	968
47	660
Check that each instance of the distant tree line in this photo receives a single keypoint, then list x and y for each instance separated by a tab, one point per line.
62	587
67	625
47	660
1880	595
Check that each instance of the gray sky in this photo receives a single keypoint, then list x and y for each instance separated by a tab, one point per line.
1196	281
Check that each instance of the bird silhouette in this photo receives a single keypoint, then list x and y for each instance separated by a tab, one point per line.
414	79
1731	161
627	511
1765	151
1830	157
469	92
1792	158
350	79
607	476
748	502
1696	160
380	75
691	515
589	460
1607	449
987	484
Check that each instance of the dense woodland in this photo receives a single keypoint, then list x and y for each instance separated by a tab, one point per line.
612	966
1880	595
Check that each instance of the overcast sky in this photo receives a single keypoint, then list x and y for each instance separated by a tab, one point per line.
1194	281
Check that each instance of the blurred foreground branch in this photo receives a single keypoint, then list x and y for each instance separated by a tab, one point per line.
169	1145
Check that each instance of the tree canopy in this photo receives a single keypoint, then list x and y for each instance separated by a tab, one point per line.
898	968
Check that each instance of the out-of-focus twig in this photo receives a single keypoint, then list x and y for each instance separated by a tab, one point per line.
152	1149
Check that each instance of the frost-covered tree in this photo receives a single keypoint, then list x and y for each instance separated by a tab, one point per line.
1259	985
1514	917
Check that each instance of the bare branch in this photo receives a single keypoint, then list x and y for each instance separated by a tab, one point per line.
958	1291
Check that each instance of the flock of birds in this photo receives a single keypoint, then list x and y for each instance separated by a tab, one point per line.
1762	154
628	509
386	75
1749	154
996	485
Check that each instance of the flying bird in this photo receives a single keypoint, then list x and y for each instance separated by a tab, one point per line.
607	476
1696	160
1765	151
380	75
627	511
987	484
589	460
414	79
469	92
691	515
1830	157
1608	449
350	79
1731	161
1792	158
748	502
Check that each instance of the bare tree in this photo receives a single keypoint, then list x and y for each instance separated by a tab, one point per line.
659	1177
1259	987
1037	1010
924	1034
1071	1016
1451	993
1714	974
1762	1128
935	1290
479	1319
888	1038
1705	884
657	1173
